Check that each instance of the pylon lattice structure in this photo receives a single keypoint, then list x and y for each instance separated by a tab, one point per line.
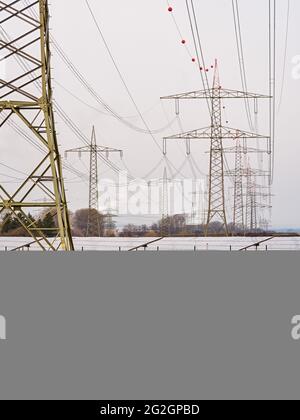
238	205
94	152
164	202
247	192
26	96
216	133
254	191
242	170
251	202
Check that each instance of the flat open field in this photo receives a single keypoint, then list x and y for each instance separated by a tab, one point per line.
169	244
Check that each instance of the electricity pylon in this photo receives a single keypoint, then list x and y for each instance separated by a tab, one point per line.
164	203
253	192
247	191
240	150
95	153
238	205
251	203
216	133
26	96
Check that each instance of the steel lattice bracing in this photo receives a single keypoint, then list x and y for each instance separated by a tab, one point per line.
251	203
26	99
93	190
225	132
253	193
216	189
238	205
249	191
93	217
164	203
94	152
216	133
223	94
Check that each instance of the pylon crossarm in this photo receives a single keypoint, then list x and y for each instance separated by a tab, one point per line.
245	150
210	94
225	133
245	173
98	149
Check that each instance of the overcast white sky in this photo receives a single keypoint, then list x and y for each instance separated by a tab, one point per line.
144	41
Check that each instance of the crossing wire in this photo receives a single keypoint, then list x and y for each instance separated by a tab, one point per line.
241	58
285	55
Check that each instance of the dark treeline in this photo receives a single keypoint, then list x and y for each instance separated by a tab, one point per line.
177	226
12	225
94	224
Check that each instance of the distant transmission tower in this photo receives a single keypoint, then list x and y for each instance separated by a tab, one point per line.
238	205
165	228
253	192
249	194
251	203
95	152
216	133
26	96
242	170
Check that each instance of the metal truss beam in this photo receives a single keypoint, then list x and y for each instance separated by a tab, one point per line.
26	95
222	94
94	151
226	133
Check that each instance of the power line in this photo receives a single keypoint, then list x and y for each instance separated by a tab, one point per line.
285	55
64	57
272	82
179	30
239	41
157	131
120	74
199	54
90	89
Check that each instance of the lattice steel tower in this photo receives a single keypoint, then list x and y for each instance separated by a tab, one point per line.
26	96
216	133
251	202
93	181
238	205
95	153
93	186
164	205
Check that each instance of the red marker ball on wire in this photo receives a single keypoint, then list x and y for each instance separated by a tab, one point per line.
170	9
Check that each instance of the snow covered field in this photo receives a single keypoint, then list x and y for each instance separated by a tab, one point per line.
168	244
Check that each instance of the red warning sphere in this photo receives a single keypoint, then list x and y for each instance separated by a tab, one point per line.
194	60
183	41
170	9
201	68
